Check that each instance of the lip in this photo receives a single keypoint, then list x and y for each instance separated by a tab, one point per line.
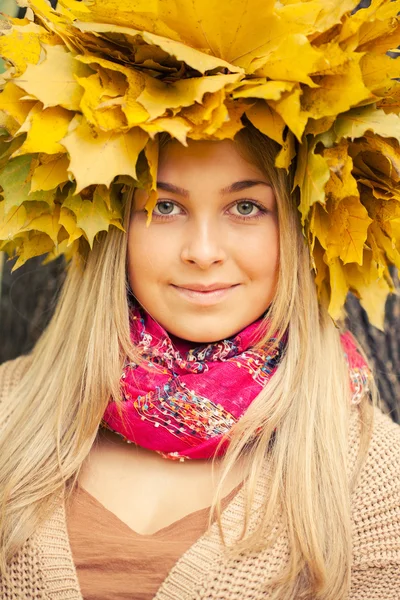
206	295
200	287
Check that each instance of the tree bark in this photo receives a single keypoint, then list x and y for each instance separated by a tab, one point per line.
28	299
381	347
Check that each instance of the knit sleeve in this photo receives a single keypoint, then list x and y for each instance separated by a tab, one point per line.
376	517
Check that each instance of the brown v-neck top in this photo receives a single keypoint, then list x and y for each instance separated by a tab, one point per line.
114	562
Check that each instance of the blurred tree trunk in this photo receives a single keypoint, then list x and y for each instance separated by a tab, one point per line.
382	348
28	299
29	296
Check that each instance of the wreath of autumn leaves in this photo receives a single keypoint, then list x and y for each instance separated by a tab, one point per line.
89	86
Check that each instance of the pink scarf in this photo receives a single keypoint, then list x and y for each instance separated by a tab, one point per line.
180	401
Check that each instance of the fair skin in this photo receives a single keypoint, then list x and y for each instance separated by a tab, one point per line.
212	231
218	230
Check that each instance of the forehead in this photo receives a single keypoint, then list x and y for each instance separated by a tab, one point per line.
219	159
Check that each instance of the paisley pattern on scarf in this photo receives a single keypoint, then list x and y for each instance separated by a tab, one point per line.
180	401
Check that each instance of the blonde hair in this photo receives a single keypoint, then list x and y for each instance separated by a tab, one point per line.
52	417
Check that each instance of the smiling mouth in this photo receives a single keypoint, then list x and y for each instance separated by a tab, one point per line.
210	295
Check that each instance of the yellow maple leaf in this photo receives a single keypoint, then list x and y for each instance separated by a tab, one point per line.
204	113
336	93
357	121
51	174
158	96
196	59
31	244
177	127
12	103
339	288
62	249
270	90
372	290
287	153
96	110
341	183
321	274
20	45
347	233
92	216
283	62
68	220
379	71
311	176
315	15
46	223
380	157
151	152
290	109
391	102
11	221
135	113
386	243
53	81
44	128
140	14
230	122
98	157
373	28
269	122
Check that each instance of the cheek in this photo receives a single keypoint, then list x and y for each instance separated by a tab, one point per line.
261	257
148	254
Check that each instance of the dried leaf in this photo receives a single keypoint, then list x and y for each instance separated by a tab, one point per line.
336	93
339	288
68	220
21	46
157	96
46	223
32	244
53	81
92	216
45	129
12	104
196	59
50	175
357	121
15	183
266	120
372	291
98	157
311	176
347	232
283	62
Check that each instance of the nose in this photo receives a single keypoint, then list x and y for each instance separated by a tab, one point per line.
203	244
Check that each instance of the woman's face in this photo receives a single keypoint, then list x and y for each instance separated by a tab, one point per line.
207	265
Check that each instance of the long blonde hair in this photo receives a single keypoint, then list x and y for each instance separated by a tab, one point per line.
52	417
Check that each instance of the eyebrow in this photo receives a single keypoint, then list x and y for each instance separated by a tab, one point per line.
238	186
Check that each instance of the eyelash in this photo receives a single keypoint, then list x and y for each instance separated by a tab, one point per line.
260	207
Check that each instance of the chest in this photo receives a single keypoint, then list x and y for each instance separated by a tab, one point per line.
146	491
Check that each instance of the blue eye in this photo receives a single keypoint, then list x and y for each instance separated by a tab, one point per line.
245	208
164	207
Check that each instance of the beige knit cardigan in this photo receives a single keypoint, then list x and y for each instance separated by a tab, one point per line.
44	569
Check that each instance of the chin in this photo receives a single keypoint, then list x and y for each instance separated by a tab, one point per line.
206	335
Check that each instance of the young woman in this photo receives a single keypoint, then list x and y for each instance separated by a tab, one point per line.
195	423
211	314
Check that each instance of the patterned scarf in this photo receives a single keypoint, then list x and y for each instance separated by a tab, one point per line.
180	401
